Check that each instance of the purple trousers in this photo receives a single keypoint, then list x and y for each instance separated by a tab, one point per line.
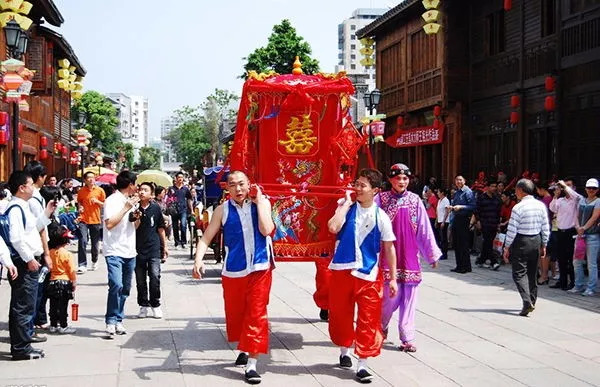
405	301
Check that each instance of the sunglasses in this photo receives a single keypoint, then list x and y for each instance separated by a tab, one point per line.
591	187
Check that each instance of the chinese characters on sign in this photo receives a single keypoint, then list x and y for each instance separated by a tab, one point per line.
418	136
299	133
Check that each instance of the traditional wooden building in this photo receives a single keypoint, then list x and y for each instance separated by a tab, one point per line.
49	118
415	73
519	87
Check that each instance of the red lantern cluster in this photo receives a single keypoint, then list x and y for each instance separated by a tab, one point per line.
400	121
550	100
43	145
507	5
515	103
437	122
3	118
3	137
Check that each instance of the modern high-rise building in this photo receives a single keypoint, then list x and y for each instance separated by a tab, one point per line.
132	112
166	125
349	46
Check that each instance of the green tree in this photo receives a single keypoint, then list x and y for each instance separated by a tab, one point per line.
149	158
102	121
125	155
189	139
218	106
281	51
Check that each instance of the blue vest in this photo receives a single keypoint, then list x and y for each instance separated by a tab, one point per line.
246	249
349	254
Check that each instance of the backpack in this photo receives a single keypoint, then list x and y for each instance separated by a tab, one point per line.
5	228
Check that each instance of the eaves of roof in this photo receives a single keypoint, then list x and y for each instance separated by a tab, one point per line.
372	29
63	46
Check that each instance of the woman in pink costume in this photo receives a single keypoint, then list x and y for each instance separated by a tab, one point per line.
413	236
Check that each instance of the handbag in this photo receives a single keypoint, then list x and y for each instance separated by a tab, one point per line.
498	244
579	251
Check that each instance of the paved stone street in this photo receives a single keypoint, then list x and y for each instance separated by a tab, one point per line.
469	334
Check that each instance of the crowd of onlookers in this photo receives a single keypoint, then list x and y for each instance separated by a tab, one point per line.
40	217
473	220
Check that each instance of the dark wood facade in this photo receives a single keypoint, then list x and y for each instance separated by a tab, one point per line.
482	56
49	114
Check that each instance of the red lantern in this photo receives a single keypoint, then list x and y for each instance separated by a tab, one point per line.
20	145
43	141
43	154
3	137
550	103
549	83
437	110
400	121
436	124
507	5
514	118
3	118
515	101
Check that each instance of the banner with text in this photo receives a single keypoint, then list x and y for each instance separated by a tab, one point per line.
426	135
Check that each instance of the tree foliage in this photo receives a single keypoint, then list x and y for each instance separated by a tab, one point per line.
125	155
189	139
280	52
149	158
102	121
218	106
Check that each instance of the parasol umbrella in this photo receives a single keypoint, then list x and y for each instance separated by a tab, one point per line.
97	170
160	178
107	178
76	183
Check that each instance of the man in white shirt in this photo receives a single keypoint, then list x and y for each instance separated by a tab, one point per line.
442	220
27	254
119	249
37	204
526	239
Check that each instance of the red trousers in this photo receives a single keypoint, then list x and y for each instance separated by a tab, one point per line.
322	280
346	292
246	299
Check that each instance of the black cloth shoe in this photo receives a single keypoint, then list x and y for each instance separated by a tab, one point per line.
527	308
33	355
345	361
364	376
455	270
324	315
37	338
555	286
241	360
252	377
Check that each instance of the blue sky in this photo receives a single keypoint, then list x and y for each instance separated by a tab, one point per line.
177	52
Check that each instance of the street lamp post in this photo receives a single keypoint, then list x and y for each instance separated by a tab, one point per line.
81	120
16	42
371	102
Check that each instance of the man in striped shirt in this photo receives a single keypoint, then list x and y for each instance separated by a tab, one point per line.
526	240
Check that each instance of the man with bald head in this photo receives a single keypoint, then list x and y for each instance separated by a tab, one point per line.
246	275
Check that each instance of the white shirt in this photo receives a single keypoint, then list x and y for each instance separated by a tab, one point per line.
441	210
120	240
26	240
5	253
365	222
37	205
528	217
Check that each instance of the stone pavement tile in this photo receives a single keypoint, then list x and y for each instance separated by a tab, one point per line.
405	370
482	376
97	380
582	347
577	367
65	361
545	377
493	355
151	377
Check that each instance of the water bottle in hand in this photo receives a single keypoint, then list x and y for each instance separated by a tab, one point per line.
43	274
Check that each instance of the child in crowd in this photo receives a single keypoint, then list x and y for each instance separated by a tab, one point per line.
62	278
